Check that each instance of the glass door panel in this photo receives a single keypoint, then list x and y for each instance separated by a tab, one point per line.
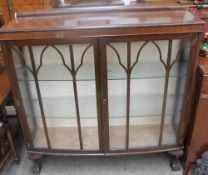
86	89
176	88
62	82
28	92
144	105
116	98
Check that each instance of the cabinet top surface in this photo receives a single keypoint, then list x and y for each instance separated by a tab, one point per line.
103	20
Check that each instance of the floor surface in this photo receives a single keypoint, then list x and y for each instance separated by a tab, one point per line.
151	164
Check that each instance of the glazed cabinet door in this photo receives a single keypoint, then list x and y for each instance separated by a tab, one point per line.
146	97
59	93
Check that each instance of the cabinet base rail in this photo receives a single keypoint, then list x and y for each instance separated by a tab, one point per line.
36	155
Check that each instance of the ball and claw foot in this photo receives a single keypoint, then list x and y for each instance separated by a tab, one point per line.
36	167
17	161
175	156
175	165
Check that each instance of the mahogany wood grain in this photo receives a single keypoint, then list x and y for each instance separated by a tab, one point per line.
102	23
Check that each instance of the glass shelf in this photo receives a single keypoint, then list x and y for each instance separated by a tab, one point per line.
145	70
112	117
57	106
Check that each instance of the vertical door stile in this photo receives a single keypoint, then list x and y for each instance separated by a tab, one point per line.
167	69
97	61
76	95
188	100
39	97
104	94
128	72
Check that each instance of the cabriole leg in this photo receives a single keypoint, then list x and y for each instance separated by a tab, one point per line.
35	158
175	156
186	168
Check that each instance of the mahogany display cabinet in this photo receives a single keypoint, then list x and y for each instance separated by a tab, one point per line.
102	81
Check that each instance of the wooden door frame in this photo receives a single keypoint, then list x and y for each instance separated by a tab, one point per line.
17	95
184	118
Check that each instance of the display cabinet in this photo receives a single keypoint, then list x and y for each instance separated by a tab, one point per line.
104	81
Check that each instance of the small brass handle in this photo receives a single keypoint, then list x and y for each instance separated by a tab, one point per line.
105	101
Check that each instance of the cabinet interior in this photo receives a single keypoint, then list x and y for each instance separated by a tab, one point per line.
53	68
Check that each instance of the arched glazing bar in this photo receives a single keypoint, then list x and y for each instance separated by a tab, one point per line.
73	71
